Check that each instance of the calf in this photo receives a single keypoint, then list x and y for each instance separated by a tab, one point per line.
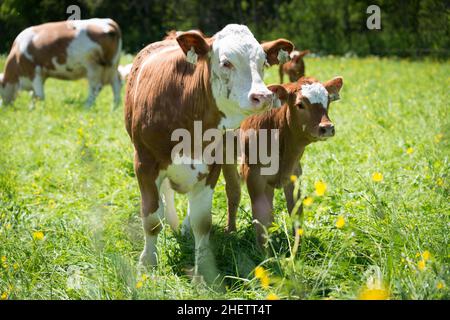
294	68
188	77
302	119
65	50
124	71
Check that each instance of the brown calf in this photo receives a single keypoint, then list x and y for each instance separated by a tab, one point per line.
65	50
174	83
294	68
303	119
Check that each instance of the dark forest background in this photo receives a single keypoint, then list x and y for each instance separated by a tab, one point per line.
412	28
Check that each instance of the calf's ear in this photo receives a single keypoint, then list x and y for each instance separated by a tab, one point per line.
280	92
277	50
192	43
333	87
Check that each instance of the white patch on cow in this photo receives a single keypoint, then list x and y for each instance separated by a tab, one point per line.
294	54
233	86
316	93
104	24
169	204
185	173
23	40
124	71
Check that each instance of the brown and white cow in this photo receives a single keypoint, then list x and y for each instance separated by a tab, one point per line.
65	50
302	119
189	77
294	68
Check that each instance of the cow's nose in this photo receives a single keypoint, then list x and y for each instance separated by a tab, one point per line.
326	129
259	98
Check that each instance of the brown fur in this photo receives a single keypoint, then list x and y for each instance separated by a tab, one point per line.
295	68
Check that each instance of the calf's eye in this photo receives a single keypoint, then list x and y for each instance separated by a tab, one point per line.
227	64
300	105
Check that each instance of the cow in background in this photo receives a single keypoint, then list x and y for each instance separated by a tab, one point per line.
66	50
294	68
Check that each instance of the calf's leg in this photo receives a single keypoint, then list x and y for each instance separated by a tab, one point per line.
233	190
116	85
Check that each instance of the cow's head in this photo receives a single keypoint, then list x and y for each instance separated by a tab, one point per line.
237	64
309	102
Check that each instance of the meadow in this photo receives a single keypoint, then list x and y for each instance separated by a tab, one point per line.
376	226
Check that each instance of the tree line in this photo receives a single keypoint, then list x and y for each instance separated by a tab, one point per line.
409	28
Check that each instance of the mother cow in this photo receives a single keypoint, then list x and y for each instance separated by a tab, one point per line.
173	83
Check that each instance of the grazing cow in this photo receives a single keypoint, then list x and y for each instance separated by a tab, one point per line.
302	119
124	71
65	50
294	68
185	78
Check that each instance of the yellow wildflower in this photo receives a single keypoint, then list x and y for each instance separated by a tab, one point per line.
272	296
377	176
3	259
409	150
421	265
374	294
321	187
293	178
139	284
265	281
261	274
16	266
440	285
300	232
308	201
426	255
4	296
440	182
438	137
340	222
144	277
38	235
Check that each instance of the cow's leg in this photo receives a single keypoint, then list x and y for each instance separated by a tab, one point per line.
116	85
289	193
152	209
8	93
169	204
94	75
233	189
38	85
261	196
280	71
199	213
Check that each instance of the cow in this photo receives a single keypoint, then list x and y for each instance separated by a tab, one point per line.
65	50
294	68
173	83
301	120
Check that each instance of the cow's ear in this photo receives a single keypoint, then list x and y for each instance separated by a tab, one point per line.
280	92
277	50
193	42
304	53
333	87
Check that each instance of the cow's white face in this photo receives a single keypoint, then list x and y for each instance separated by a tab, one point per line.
237	67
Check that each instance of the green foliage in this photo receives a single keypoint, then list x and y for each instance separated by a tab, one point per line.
409	28
68	172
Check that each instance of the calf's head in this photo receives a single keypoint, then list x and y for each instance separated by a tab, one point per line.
236	68
309	102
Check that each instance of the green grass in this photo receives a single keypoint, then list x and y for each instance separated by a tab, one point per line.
68	172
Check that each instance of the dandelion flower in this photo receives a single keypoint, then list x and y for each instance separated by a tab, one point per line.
144	277
308	201
321	187
409	150
139	284
440	285
340	222
377	176
426	255
421	265
259	272
38	235
440	182
272	296
15	266
300	232
4	296
265	281
293	178
374	294
3	259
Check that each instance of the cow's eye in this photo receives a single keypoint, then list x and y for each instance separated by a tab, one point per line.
300	105
227	64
